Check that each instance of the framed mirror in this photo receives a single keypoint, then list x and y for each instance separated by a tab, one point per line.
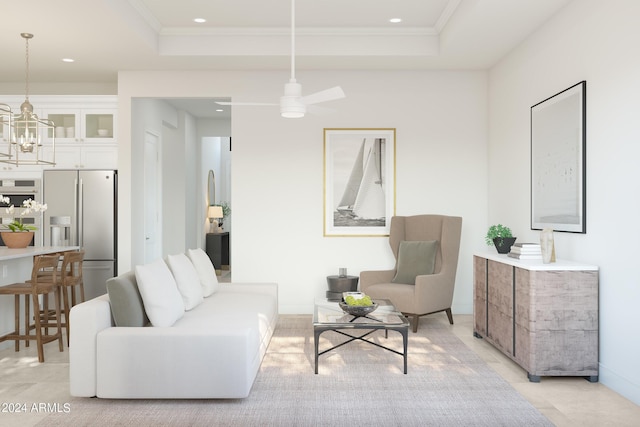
211	188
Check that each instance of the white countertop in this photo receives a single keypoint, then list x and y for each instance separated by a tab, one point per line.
537	264
8	254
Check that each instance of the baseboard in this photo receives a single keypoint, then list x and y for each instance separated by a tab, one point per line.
620	384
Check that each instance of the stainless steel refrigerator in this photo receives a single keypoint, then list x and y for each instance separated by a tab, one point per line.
82	211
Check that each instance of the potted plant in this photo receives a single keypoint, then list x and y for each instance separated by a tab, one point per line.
226	211
19	235
501	237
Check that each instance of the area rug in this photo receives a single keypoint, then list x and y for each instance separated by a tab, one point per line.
358	384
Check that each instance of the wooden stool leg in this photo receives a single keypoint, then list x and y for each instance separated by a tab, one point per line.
65	297
16	320
27	318
38	328
58	320
45	312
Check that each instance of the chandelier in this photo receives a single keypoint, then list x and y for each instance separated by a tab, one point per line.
26	129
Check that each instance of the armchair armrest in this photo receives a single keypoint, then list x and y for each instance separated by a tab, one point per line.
433	292
368	278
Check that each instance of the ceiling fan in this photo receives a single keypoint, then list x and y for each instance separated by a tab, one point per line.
292	104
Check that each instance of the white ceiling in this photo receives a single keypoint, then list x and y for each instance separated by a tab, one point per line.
105	36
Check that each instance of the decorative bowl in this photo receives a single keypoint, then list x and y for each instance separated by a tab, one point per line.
356	295
357	310
103	132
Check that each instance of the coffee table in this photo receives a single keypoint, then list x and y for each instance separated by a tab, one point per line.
328	316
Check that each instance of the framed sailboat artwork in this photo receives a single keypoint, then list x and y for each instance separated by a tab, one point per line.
359	181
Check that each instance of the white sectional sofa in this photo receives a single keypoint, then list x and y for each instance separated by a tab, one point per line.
212	350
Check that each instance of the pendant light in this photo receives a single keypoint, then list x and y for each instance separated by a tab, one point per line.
27	130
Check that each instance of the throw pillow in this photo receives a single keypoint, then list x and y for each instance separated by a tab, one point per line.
126	303
415	258
187	280
159	291
206	270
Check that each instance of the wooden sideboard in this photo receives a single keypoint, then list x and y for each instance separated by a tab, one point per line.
542	316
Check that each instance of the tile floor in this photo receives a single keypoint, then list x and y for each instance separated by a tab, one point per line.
565	401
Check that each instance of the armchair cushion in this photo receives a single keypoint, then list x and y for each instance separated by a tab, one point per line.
415	258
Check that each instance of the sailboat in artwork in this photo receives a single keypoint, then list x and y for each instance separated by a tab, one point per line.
364	195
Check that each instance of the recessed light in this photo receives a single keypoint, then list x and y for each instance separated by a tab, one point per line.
68	60
220	110
200	20
395	20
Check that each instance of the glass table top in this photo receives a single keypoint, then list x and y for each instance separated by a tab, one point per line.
329	313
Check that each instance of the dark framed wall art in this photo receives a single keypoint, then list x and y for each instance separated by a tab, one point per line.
359	181
558	161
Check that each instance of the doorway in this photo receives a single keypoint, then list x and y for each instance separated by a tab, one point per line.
191	120
152	202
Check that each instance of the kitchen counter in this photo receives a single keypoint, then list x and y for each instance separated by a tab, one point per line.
30	251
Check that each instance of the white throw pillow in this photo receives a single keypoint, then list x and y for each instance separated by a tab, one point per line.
187	280
206	270
159	292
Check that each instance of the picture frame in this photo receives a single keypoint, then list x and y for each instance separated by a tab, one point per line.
359	181
558	161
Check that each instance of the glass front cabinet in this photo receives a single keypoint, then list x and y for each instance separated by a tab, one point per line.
84	128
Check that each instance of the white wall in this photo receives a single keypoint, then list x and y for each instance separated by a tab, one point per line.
594	41
277	168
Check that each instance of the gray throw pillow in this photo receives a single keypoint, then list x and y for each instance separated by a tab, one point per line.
415	258
126	302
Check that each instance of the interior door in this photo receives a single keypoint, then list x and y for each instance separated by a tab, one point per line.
152	233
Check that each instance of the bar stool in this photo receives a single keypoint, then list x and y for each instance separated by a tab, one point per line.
35	287
69	277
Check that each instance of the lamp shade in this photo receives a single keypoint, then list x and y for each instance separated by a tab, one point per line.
215	212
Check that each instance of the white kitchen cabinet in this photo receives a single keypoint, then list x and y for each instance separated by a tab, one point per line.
85	131
86	156
82	125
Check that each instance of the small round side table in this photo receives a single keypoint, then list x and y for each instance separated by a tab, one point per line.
340	284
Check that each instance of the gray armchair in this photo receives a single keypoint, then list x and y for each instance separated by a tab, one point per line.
431	293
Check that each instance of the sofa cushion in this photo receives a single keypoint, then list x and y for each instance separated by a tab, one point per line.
126	303
415	258
187	280
206	270
162	300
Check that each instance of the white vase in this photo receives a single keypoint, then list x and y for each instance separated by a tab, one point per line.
547	246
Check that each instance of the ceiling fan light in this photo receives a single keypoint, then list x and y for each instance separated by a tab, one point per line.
292	114
291	107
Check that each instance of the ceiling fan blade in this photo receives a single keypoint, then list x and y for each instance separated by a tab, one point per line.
246	103
324	96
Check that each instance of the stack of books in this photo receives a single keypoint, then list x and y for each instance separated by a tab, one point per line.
526	251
